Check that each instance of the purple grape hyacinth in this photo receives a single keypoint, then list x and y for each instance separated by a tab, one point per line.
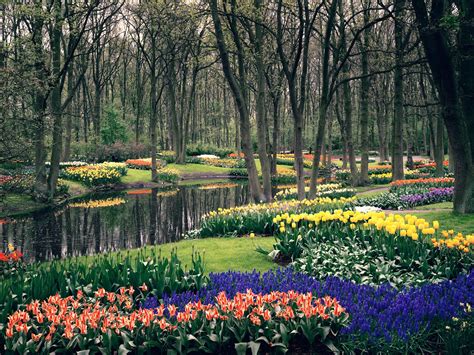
434	195
378	314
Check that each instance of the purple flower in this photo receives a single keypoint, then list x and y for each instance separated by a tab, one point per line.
433	195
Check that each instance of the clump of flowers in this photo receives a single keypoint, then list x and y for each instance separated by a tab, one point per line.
257	218
97	174
144	163
433	195
11	261
109	319
168	175
332	190
405	185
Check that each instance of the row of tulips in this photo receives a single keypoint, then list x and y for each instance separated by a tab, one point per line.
257	218
425	183
403	242
322	190
110	322
39	281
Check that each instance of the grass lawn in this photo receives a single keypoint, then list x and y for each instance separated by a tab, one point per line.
136	175
198	168
450	220
434	206
220	254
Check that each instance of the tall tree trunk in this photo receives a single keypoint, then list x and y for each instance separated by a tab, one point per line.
241	102
56	110
439	147
324	101
398	114
261	108
364	103
439	57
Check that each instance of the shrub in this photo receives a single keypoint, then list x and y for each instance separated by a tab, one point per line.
117	152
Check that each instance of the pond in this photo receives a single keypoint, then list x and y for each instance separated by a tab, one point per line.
127	220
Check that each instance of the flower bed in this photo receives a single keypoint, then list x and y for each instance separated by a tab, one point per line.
406	185
258	218
372	247
144	163
110	320
433	195
97	174
168	175
382	319
323	190
224	163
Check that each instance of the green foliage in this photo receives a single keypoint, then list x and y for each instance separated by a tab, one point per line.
112	130
109	271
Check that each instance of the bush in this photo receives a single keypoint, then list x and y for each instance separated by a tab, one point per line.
117	152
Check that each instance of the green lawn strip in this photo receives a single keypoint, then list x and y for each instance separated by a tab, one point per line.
435	206
205	182
220	254
198	168
136	176
448	220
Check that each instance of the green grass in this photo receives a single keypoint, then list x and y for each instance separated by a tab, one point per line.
435	206
450	220
136	175
220	254
198	168
204	182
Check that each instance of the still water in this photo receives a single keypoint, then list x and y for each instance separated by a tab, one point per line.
122	221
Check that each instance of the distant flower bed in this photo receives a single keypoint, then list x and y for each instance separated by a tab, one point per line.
406	185
323	190
144	163
168	175
96	174
67	164
224	163
257	218
433	195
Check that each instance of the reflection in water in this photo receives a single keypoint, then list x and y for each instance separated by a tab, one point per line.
90	227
